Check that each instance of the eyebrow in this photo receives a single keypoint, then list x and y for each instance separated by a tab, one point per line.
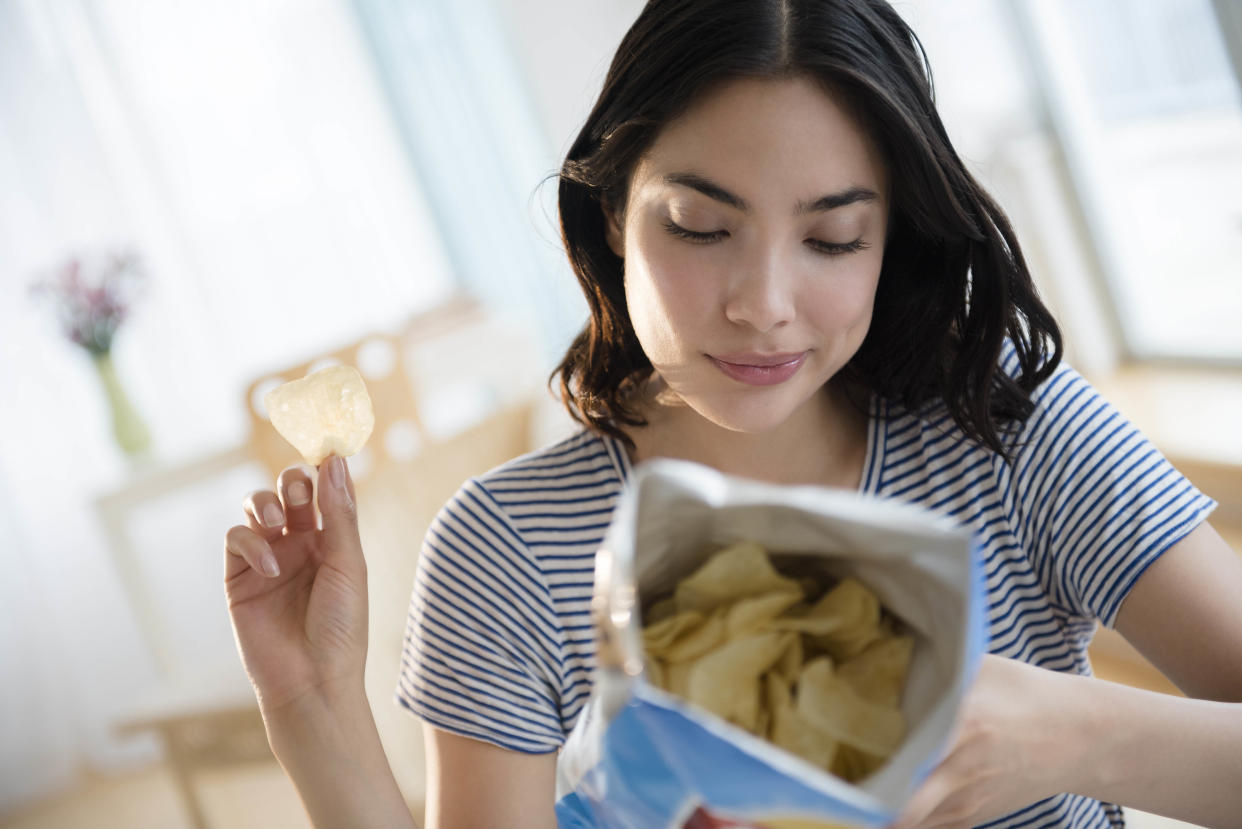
715	191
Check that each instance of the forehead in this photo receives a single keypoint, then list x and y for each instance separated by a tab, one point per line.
769	134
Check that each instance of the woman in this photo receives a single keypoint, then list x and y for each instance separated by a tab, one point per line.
792	277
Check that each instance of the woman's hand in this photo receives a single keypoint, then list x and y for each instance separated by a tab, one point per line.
1013	735
297	594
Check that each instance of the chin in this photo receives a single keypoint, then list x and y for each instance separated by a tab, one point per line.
753	418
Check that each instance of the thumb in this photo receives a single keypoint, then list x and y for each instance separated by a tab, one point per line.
339	511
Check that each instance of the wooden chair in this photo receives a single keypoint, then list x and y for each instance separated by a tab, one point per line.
411	465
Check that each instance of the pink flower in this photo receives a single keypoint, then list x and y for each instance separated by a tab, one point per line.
92	302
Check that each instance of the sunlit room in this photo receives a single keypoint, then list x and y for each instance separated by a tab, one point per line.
202	201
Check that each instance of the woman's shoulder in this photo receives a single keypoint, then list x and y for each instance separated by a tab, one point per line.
1064	396
1065	399
582	451
564	476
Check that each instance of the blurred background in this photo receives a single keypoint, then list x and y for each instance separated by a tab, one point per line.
200	200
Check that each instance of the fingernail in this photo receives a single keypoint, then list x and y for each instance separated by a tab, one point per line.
299	493
269	565
336	470
272	515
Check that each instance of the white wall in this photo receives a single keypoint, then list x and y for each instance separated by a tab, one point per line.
565	47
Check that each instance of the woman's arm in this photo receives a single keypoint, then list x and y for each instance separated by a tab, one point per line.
297	595
329	746
475	785
1164	754
1026	733
1185	615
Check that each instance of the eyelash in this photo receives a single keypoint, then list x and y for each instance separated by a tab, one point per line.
826	248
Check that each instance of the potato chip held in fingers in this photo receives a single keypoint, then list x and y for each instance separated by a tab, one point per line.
326	412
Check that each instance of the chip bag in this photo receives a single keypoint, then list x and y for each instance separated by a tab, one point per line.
736	625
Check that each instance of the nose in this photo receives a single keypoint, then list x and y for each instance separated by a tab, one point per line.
761	293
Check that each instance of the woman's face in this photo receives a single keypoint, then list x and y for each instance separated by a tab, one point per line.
752	237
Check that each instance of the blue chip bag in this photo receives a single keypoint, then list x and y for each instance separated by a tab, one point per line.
641	757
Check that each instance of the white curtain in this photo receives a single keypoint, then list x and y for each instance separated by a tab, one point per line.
248	153
39	738
465	112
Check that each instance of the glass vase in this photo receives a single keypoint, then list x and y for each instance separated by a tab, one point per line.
128	428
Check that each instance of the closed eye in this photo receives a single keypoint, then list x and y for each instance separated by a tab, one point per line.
695	236
837	248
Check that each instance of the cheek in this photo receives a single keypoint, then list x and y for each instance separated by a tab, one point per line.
847	300
666	280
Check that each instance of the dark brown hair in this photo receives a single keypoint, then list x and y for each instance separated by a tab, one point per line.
953	285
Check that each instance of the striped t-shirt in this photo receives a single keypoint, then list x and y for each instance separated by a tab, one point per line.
499	643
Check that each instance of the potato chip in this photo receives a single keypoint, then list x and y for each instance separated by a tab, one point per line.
844	622
748	615
326	412
763	722
790	664
829	704
879	672
658	637
656	673
734	573
660	611
853	763
790	732
696	641
726	681
776	691
677	677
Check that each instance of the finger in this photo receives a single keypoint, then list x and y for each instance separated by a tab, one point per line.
924	801
264	513
297	489
339	511
244	549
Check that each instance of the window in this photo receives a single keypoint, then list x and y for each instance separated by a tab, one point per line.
1146	107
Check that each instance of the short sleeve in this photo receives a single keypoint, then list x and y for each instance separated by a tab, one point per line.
1099	502
482	649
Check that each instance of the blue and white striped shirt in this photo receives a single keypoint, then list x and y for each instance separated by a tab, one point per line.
499	643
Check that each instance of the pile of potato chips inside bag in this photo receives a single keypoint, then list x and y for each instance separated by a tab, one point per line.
814	665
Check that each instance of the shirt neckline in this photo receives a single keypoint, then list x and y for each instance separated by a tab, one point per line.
871	467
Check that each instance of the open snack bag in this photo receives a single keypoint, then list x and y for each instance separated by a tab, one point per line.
768	656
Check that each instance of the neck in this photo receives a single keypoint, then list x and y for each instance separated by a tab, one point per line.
824	443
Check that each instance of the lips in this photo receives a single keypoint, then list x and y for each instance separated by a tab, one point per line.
757	369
